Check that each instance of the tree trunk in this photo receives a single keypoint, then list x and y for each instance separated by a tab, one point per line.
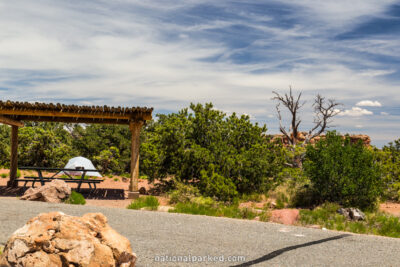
14	157
135	128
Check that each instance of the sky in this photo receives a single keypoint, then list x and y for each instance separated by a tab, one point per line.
167	54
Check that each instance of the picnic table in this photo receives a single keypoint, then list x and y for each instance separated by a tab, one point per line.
70	179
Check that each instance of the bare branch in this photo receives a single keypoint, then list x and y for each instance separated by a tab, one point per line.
281	127
324	110
293	104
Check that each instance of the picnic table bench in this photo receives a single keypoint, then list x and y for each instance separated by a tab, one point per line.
40	178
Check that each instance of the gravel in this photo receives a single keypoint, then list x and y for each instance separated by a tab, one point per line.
157	236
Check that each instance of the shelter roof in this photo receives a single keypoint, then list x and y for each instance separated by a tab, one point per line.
14	112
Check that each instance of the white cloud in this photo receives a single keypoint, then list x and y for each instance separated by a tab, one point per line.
355	112
369	103
373	73
384	113
359	126
342	12
122	58
123	53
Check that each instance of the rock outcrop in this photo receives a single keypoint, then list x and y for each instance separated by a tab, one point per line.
353	214
365	139
285	216
56	239
54	192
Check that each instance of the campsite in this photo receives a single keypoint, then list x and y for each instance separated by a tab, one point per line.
286	193
217	133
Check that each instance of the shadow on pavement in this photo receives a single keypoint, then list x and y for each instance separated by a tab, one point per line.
103	193
12	192
278	252
100	193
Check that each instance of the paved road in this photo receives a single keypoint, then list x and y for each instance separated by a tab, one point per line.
154	235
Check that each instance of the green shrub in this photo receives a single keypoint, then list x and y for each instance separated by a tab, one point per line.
281	200
389	158
76	198
375	223
295	187
194	208
126	175
4	175
116	179
183	192
204	201
18	174
186	143
107	160
343	172
247	213
303	197
148	202
217	210
265	216
255	197
44	144
388	225
214	185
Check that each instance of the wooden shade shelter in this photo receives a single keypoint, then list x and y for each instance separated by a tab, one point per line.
14	113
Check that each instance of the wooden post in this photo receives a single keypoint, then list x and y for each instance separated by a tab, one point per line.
14	157
135	127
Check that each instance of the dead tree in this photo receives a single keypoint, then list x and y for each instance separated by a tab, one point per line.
293	105
324	111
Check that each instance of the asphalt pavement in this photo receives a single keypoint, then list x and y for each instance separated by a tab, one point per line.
167	239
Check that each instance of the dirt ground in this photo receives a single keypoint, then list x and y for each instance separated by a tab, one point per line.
390	207
109	184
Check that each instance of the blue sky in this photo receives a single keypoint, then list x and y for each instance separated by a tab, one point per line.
166	54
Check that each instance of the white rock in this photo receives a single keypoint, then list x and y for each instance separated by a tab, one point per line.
53	192
55	239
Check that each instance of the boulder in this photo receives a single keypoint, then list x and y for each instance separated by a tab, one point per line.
356	214
142	191
55	192
345	213
353	214
56	239
285	216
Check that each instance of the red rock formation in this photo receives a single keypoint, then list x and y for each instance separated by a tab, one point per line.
301	137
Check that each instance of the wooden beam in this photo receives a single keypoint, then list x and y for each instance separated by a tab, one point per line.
9	121
74	120
14	156
48	113
135	128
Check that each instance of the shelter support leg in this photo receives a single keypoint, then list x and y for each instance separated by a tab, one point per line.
135	128
14	157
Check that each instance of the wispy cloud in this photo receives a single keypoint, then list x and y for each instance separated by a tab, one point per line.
169	53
